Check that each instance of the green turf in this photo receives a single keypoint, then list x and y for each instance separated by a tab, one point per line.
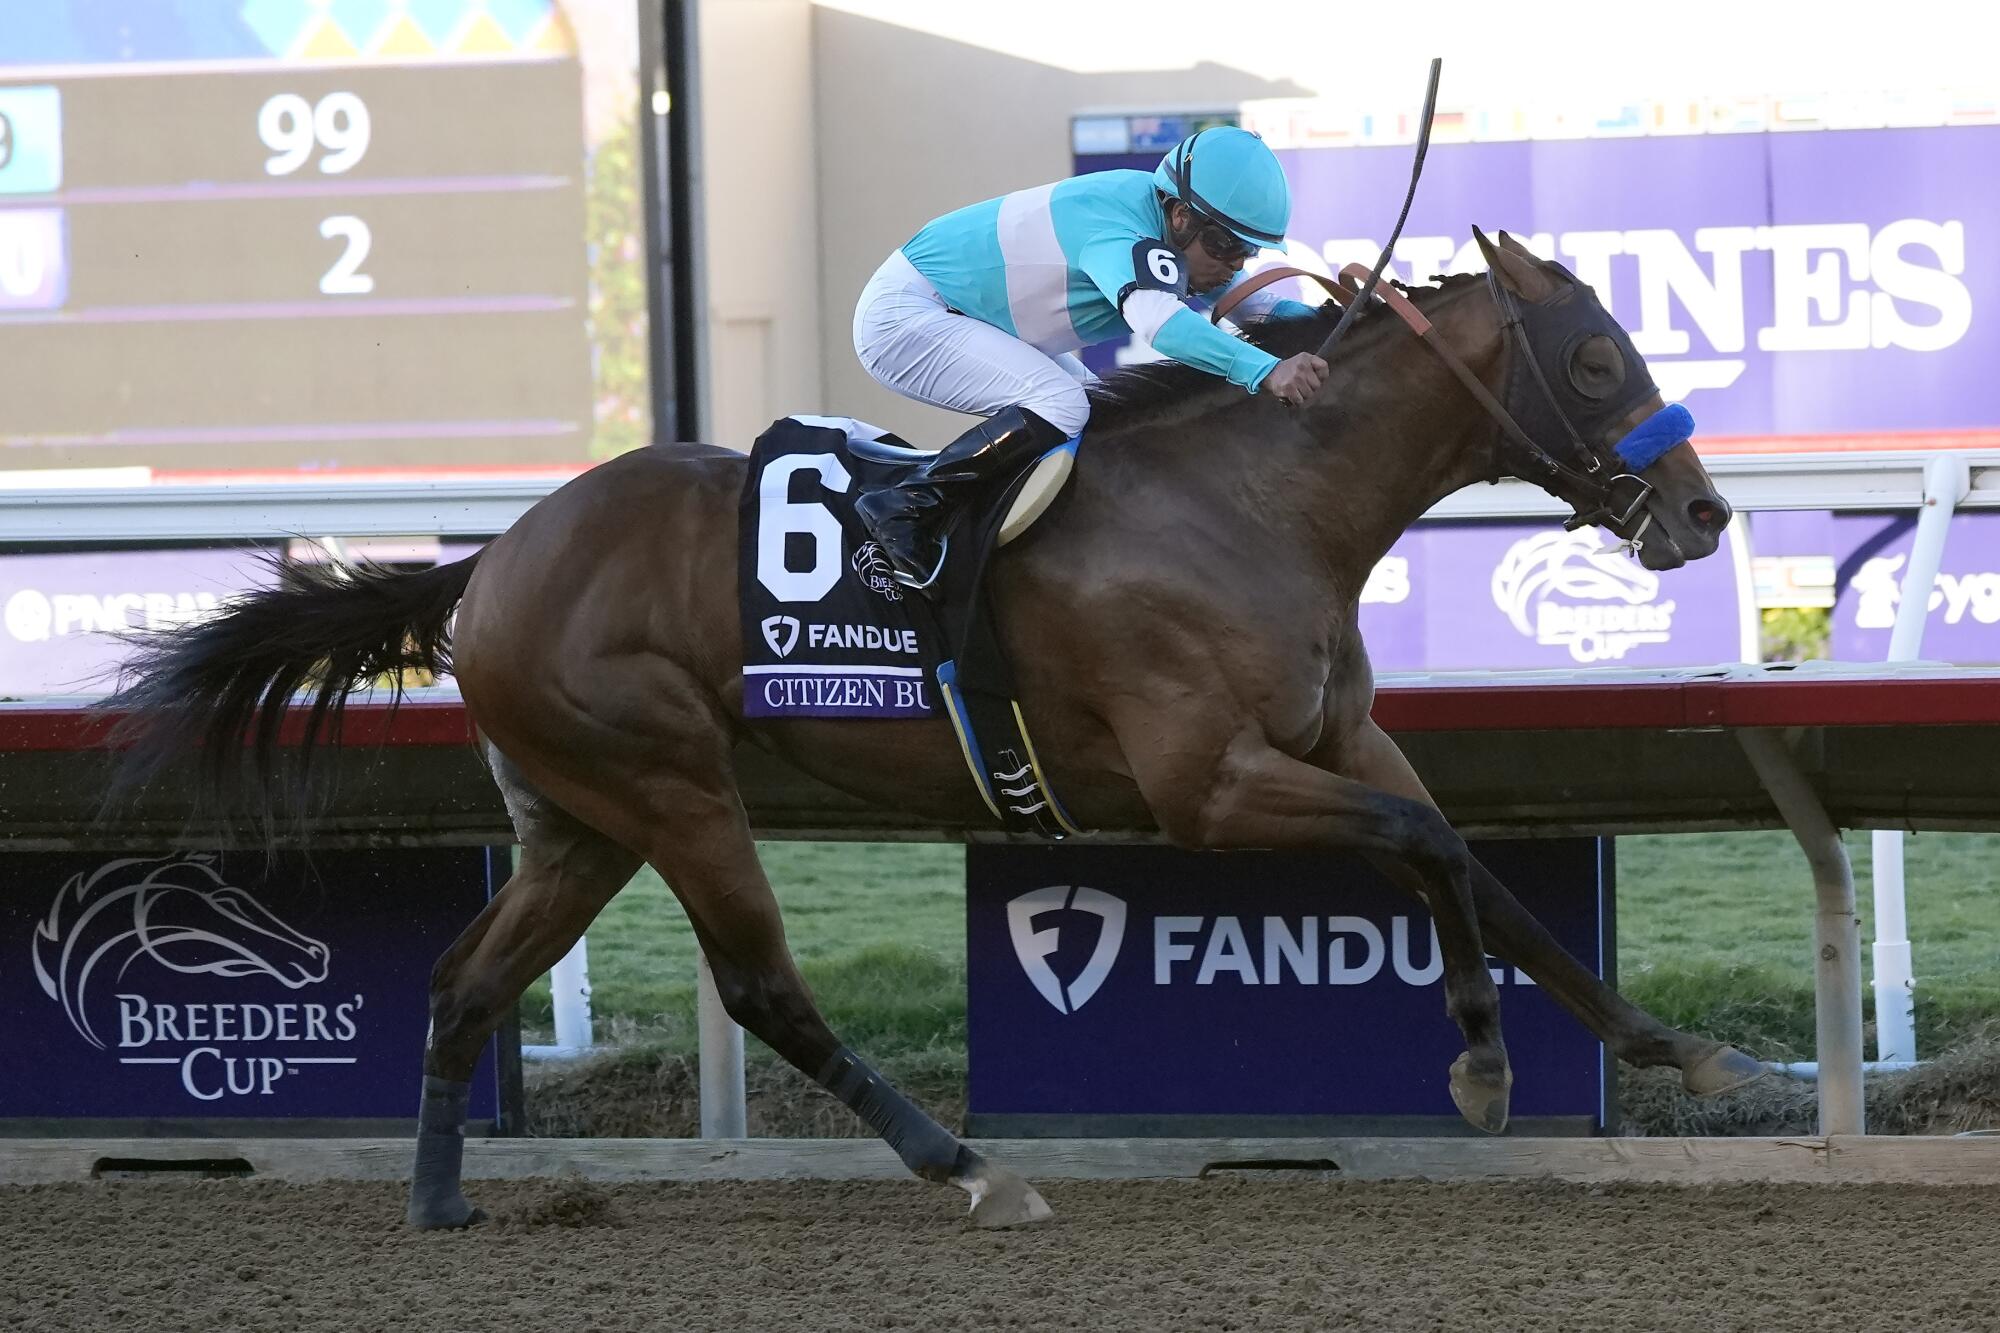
1715	934
878	929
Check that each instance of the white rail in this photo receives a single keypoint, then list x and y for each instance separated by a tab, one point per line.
270	511
484	507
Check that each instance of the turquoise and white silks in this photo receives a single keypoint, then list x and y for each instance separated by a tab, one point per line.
1033	277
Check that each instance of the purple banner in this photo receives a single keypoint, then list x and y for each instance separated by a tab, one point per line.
1145	981
58	613
834	691
1480	596
1783	284
1872	556
204	985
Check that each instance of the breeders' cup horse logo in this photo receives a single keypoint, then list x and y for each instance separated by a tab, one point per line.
1559	589
180	914
1033	947
874	571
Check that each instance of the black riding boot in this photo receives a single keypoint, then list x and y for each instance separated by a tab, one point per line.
908	520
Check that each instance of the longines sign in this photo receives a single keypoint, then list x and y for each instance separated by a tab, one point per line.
1825	282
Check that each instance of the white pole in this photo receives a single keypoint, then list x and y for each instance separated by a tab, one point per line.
1895	976
1749	620
1946	481
1836	930
569	986
724	1113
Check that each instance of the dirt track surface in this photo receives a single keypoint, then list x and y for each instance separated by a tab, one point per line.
1222	1253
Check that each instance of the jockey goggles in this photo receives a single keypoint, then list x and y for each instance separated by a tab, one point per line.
1219	241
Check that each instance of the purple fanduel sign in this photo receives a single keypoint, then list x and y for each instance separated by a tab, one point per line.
58	613
1802	283
1148	990
1872	556
208	986
1477	596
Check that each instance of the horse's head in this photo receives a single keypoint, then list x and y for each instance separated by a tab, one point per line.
194	921
1602	439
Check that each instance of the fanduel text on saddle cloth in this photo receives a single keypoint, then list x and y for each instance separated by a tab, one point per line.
826	629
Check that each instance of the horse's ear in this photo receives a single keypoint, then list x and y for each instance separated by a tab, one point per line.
1518	268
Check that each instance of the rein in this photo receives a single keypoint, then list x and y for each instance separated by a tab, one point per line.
1374	275
1615	501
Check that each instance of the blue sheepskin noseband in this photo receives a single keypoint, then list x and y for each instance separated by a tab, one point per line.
1642	447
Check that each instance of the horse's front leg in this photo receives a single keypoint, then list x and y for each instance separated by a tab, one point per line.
1633	1035
1257	796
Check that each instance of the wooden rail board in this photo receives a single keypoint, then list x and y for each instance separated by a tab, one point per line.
1849	1159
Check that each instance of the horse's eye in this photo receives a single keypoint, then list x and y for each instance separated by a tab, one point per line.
1597	367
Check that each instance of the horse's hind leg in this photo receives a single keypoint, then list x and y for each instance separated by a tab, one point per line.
566	875
1633	1035
707	856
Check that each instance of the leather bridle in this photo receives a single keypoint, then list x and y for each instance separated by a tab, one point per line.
1596	493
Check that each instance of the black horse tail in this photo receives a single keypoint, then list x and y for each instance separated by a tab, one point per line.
207	688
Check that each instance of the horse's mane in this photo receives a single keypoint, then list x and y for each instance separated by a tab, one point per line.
1145	393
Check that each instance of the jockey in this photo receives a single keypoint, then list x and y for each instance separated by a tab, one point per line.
984	309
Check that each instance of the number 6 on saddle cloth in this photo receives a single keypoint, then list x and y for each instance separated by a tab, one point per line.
827	632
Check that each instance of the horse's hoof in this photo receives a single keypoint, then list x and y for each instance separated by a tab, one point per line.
453	1214
1723	1069
1002	1199
1482	1101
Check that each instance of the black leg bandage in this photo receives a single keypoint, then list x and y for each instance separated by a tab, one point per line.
436	1198
926	1147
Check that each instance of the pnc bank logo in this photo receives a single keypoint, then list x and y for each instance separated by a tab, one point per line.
1035	947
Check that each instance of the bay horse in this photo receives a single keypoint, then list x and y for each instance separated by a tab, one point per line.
1183	628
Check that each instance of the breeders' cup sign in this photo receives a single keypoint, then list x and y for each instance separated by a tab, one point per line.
1784	284
1872	557
1478	596
193	985
1127	984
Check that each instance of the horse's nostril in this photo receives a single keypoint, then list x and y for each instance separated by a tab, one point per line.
1708	515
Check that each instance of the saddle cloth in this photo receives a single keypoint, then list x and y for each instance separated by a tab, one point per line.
827	632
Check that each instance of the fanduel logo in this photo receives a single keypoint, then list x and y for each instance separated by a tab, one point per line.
1559	589
1033	947
782	633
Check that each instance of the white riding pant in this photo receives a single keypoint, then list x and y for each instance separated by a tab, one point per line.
911	341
